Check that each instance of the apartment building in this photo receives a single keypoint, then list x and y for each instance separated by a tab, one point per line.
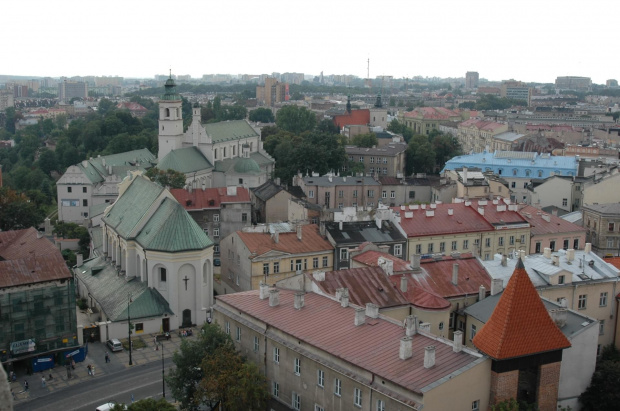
425	119
384	161
550	231
72	89
602	224
471	80
573	83
332	191
476	135
272	92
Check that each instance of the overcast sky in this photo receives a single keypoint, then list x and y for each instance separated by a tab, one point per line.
501	39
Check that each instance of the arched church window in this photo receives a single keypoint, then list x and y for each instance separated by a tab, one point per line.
167	112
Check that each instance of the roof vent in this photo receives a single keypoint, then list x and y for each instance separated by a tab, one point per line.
263	292
429	356
410	324
458	341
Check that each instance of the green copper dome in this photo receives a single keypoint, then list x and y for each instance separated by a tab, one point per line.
171	91
246	166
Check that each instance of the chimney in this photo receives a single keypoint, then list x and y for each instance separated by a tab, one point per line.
274	298
546	218
570	254
322	229
450	211
504	260
263	291
410	326
299	227
415	262
344	298
430	213
48	227
429	356
482	292
555	260
319	275
299	301
497	286
464	175
588	248
403	283
406	348
360	316
547	252
372	310
455	274
80	260
387	265
481	210
340	225
458	341
426	327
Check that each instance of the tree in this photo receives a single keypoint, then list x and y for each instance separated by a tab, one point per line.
445	146
146	404
47	161
184	379
420	155
17	211
602	393
73	230
169	178
295	119
365	140
262	115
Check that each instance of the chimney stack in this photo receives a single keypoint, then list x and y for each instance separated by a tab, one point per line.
415	262
403	283
429	356
276	237
555	260
570	254
504	260
464	175
340	225
588	248
319	275
406	348
344	298
426	327
547	252
372	310
274	298
360	316
455	274
410	326
458	341
482	292
497	286
80	260
299	227
263	291
299	301
450	211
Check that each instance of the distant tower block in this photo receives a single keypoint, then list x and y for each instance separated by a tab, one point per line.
471	79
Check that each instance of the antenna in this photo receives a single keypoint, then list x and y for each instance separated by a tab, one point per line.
368	69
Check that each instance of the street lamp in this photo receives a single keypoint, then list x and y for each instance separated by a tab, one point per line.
129	327
163	381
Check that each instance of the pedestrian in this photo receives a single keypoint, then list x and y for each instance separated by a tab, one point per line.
25	385
50	377
43	381
107	357
92	370
72	364
88	368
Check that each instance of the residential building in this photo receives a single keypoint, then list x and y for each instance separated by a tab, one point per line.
551	231
218	211
271	253
472	183
573	83
580	277
271	203
526	364
72	89
345	237
95	181
578	361
388	160
422	120
272	92
516	90
6	100
471	80
277	330
405	190
37	301
564	192
153	243
136	110
602	224
332	191
477	135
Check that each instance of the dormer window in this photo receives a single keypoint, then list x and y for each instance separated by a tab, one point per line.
561	279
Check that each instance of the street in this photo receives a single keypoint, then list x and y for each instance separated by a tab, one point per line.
142	381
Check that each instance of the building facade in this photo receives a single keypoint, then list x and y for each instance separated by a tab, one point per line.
602	224
384	161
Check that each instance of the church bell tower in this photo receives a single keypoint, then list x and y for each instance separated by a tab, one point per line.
170	120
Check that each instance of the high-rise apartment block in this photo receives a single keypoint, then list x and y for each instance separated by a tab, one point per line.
611	83
72	89
471	79
516	90
574	83
272	92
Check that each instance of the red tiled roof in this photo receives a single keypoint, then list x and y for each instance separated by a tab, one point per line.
520	324
356	117
324	324
260	243
131	106
464	220
422	298
366	285
28	259
436	276
615	261
498	217
540	226
431	113
199	199
370	259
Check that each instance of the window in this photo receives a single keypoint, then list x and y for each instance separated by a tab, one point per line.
315	262
297	265
139	327
68	189
442	247
465	244
276	355
296	401
84	190
240	181
355	193
565	246
441	326
324	261
487	242
340	193
338	387
384	160
256	344
238	335
453	246
611	226
392	194
398	250
276	389
320	378
266	268
84	203
216	218
357	397
297	366
475	405
305	263
215	153
602	302
206	230
162	274
380	405
340	205
384	194
576	244
310	193
371	193
486	256
361	159
384	170
317	407
565	202
538	247
601	327
500	241
513	185
552	245
430	248
472	332
411	194
244	217
511	240
276	267
583	299
372	160
227	328
418	249
561	279
610	243
344	254
216	232
522	238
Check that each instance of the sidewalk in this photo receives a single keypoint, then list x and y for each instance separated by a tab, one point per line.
119	361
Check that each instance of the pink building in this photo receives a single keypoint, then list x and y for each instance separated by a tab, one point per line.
548	230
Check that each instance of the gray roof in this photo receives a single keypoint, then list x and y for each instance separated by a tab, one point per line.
98	209
229	164
96	171
509	136
574	217
96	237
326	181
359	232
609	208
391	149
267	190
111	291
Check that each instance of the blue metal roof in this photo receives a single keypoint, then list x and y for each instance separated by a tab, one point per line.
516	164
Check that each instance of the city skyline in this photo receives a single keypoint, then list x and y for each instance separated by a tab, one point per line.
402	39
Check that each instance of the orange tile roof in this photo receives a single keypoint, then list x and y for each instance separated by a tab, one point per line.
261	243
615	261
540	226
370	258
520	324
356	117
209	198
464	220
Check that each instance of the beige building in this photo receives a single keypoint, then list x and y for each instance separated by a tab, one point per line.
602	224
423	120
476	135
359	359
384	161
272	92
332	191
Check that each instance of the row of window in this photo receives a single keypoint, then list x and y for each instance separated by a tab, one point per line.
70	189
398	251
371	159
216	231
582	301
217	151
552	245
73	203
296	265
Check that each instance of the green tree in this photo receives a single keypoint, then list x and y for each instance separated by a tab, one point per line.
105	105
17	211
327	126
468	105
10	119
445	146
602	393
297	96
295	119
146	404
47	161
73	230
365	140
169	178
420	155
262	115
184	379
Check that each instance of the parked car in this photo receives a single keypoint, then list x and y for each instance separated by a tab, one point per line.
114	345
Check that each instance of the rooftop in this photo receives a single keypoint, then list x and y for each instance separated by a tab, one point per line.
210	198
230	130
417	221
432	113
542	223
356	117
361	231
390	149
609	208
185	160
331	181
261	243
